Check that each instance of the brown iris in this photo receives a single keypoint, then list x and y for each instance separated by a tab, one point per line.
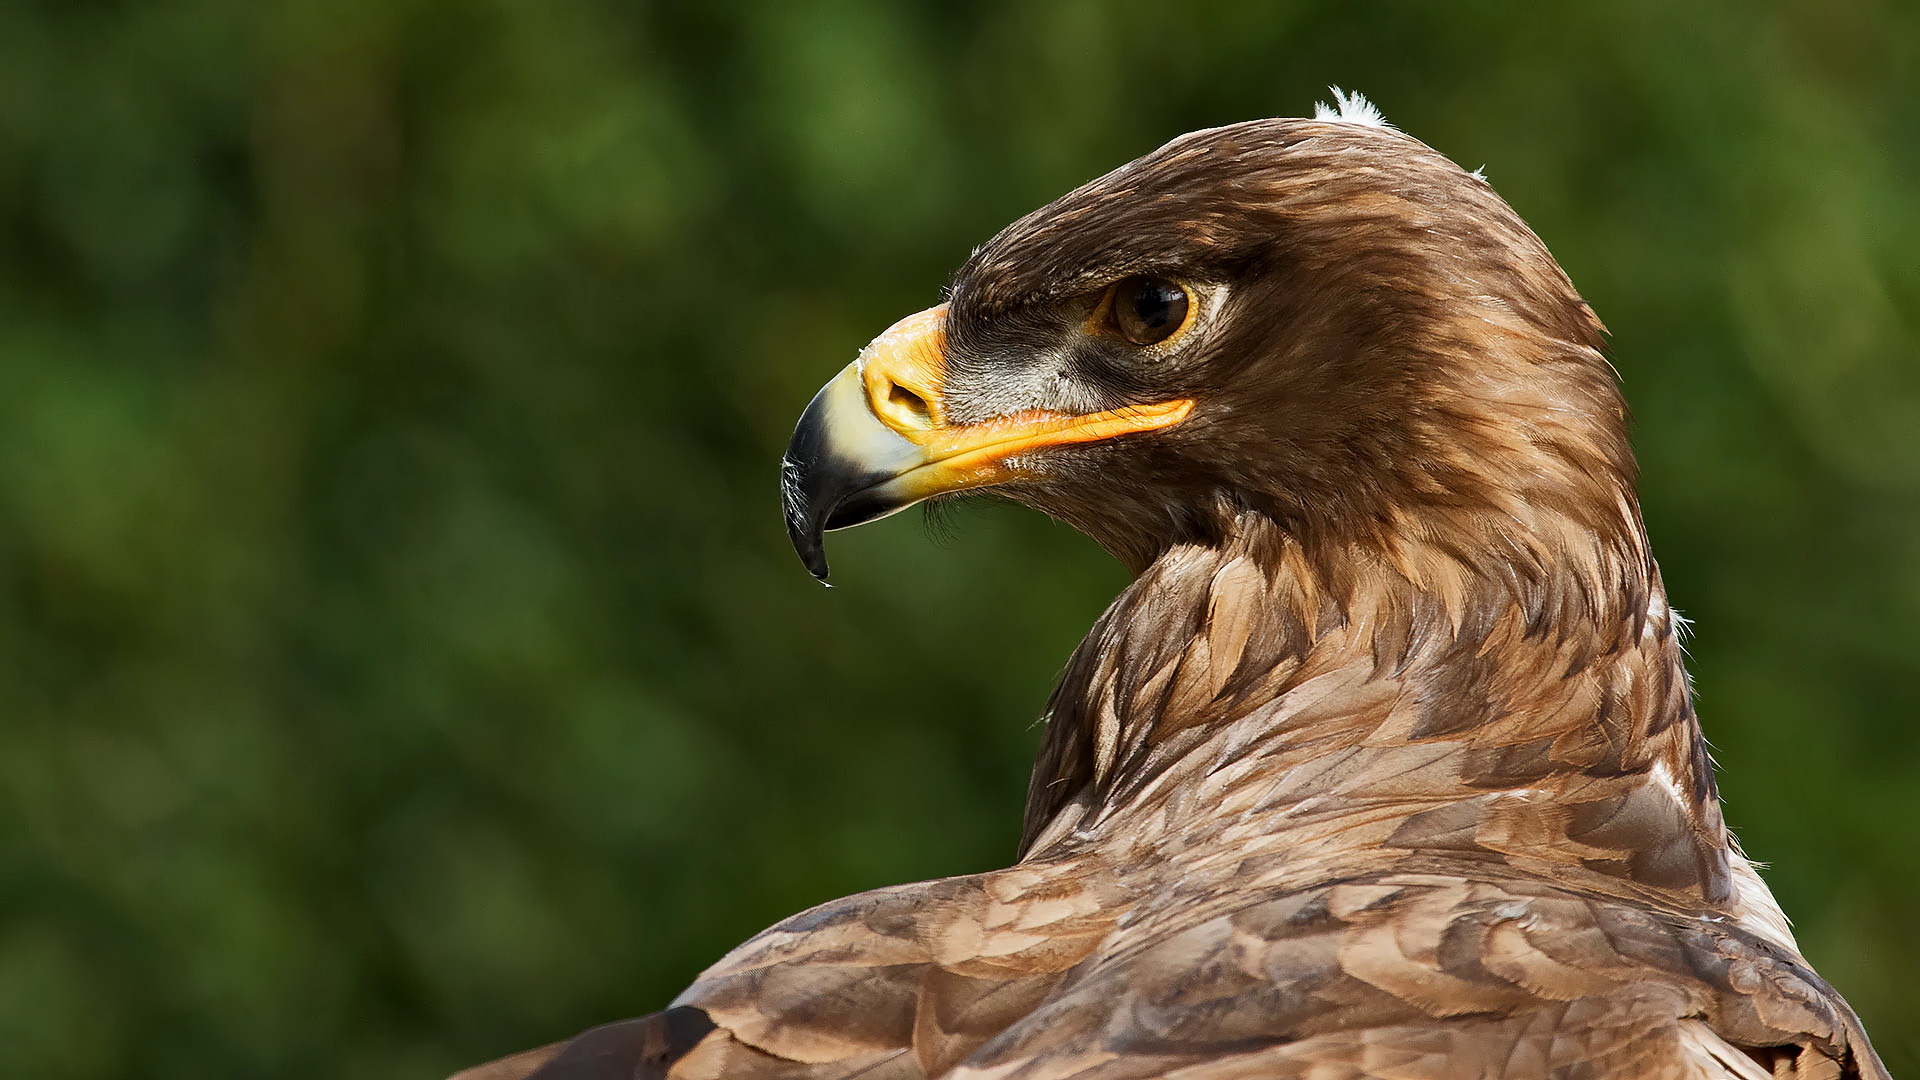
1147	310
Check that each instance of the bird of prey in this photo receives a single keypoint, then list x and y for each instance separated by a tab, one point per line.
1384	765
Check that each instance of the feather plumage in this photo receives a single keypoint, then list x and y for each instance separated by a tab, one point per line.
1386	763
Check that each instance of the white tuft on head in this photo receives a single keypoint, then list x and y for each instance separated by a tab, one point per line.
1349	109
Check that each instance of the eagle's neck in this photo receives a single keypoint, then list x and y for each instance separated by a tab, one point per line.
1251	700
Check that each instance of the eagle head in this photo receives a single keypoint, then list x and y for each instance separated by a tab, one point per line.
1321	322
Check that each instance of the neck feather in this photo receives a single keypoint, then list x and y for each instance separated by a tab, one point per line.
1531	709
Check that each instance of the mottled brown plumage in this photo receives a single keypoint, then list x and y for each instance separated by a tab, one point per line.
1385	765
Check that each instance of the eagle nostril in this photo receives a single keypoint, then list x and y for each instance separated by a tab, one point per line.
908	408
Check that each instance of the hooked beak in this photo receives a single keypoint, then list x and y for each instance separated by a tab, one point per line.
875	439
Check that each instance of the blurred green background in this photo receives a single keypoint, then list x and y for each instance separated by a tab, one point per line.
401	659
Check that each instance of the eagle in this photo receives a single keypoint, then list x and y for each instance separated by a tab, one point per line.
1385	764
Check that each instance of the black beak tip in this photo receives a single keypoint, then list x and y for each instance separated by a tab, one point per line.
806	525
813	554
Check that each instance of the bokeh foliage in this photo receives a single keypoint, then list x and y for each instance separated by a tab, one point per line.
401	661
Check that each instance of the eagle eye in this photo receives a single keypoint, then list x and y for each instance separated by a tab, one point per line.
1147	310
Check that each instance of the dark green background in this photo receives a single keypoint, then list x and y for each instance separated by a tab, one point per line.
400	654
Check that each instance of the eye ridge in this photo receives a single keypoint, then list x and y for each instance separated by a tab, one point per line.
1146	309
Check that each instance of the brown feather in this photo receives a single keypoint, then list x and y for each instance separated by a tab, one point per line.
1386	763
